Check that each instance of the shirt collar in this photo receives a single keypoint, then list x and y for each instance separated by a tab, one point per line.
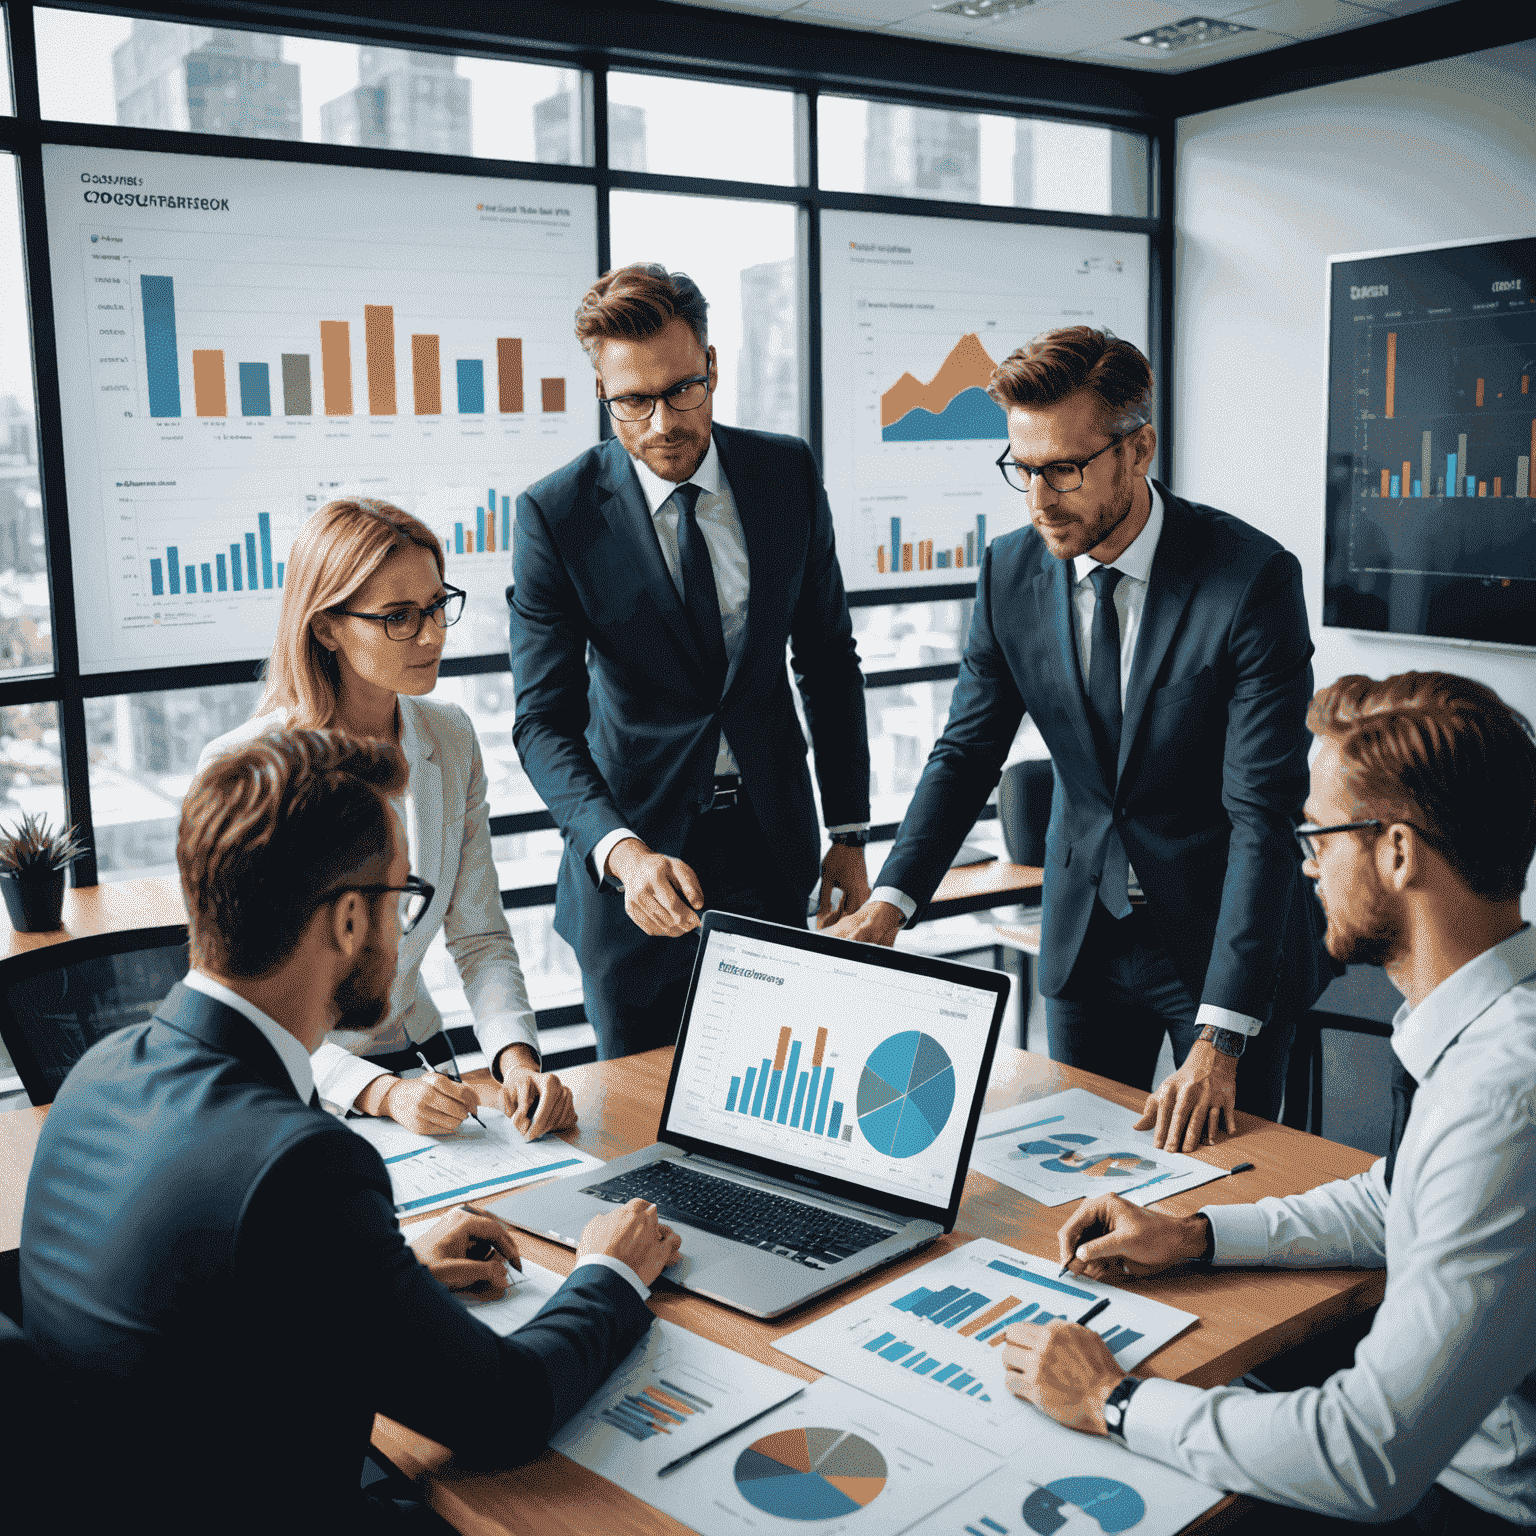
657	490
1423	1035
1136	559
289	1051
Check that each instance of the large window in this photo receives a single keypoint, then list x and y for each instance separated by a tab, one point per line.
375	313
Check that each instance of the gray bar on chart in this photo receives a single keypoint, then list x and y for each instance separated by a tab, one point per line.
1523	475
297	400
1425	481
1463	474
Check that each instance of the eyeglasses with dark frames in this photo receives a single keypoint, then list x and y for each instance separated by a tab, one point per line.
405	623
1065	475
685	395
415	897
1306	833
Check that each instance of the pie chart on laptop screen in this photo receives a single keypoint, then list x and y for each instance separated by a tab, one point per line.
906	1093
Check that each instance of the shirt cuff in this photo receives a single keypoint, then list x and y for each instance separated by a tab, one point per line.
603	849
1225	1018
340	1076
1239	1234
1155	1415
620	1268
850	826
495	1035
898	899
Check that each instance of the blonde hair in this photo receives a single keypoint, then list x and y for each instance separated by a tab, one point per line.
336	551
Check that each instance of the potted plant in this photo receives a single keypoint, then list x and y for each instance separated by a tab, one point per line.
32	864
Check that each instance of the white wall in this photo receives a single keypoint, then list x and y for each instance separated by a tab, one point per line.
1265	193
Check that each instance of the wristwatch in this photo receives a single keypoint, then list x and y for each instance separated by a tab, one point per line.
1119	1401
1230	1042
851	839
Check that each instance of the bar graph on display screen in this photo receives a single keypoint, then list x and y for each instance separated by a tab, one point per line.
241	352
779	1090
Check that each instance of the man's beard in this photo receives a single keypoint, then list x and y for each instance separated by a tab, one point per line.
363	995
1374	935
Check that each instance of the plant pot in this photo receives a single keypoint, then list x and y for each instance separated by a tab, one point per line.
35	903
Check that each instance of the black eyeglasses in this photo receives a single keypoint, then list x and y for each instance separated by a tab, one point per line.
415	897
1066	475
685	395
405	623
1306	833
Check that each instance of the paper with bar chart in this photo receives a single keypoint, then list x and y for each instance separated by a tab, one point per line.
916	313
673	1393
1073	1144
932	1339
241	340
1432	440
873	1082
1068	1484
832	1460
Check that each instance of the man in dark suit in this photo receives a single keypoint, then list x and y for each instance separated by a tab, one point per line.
656	581
1162	650
213	1263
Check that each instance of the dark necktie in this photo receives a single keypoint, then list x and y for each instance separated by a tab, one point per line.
701	601
1404	1086
1104	707
314	1098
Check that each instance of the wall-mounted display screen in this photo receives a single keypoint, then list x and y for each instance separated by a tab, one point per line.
241	341
1431	522
916	313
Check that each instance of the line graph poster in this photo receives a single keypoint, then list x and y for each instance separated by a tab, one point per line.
241	341
916	313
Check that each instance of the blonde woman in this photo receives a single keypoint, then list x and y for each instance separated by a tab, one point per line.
364	618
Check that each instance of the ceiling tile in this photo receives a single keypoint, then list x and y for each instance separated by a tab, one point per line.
1308	18
1135	56
1403	7
1069	28
860	13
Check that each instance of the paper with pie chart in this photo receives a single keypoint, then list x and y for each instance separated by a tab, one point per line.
932	1338
1067	1484
1060	1149
831	1461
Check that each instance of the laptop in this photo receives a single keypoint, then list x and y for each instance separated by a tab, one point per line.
818	1121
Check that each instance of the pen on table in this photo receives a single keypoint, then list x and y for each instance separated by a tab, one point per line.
724	1434
1093	1312
482	1247
456	1078
1241	1168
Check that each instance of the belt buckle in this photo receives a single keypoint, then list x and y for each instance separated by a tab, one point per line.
727	788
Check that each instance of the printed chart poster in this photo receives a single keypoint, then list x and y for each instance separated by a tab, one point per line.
1067	1484
933	1337
1060	1149
832	1461
916	313
674	1393
241	341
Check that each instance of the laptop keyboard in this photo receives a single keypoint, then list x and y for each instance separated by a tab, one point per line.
789	1228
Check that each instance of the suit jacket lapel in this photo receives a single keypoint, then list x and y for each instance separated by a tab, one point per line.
223	1030
748	491
1168	594
424	829
1053	596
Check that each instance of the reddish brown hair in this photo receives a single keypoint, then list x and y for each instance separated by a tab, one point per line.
1446	755
270	828
638	301
1059	363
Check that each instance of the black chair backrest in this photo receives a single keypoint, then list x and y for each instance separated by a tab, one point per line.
57	1002
1024	809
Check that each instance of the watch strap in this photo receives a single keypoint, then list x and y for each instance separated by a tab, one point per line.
1117	1403
851	839
1230	1042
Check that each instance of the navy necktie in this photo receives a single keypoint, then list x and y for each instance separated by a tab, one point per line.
1404	1086
1104	708
701	601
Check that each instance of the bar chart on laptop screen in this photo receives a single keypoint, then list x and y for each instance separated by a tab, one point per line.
243	341
855	1070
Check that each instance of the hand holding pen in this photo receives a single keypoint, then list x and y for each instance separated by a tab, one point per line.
469	1250
457	1080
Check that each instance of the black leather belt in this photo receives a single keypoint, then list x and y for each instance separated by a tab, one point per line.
727	791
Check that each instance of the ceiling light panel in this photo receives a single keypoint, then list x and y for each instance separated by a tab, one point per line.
1189	33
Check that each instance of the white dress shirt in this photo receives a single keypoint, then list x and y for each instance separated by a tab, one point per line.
715	513
288	1047
1444	1386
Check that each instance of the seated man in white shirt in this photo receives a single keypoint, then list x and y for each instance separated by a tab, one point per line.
1422	818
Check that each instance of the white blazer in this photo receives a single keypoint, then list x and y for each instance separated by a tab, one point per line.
447	824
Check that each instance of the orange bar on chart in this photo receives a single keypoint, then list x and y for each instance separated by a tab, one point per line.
991	1315
925	555
906	557
820	1047
1391	375
552	394
1479	391
783	1050
1482	487
427	375
1407	478
379	341
880	559
208	383
509	374
1525	383
1498	483
336	366
959	559
1386	482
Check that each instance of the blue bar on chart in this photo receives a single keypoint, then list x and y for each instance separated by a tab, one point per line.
255	390
479	529
730	1098
223	570
157	308
1396	484
173	568
837	1120
191	578
1450	474
279	574
234	565
777	1089
156	579
264	530
250	561
506	522
458	538
471	372
789	1078
207	577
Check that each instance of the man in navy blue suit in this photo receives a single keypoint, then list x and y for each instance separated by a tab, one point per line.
656	581
1162	650
212	1263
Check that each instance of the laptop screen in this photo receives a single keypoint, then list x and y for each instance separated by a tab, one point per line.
857	1065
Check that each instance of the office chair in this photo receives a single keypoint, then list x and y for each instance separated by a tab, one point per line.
1360	1002
1024	809
56	1002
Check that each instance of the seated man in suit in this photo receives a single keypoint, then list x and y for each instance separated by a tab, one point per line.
213	1263
1422	826
1161	648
